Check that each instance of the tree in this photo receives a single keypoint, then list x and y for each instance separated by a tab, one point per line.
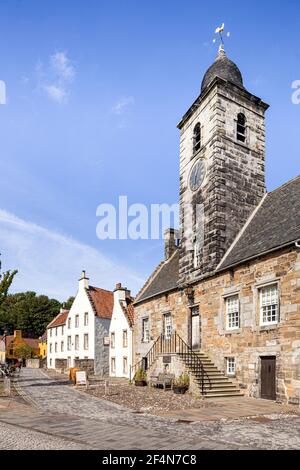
6	280
28	312
68	304
23	351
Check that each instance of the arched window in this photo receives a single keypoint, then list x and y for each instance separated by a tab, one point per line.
241	127
197	138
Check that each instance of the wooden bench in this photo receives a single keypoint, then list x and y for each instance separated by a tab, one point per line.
164	380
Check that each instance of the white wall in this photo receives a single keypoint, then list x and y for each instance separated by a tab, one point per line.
55	335
117	325
80	305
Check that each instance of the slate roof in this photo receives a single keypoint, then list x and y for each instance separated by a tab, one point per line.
166	279
274	224
102	301
59	320
222	68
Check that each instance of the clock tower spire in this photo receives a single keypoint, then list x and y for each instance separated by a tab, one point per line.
222	158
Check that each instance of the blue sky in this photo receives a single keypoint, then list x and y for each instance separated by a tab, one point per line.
94	92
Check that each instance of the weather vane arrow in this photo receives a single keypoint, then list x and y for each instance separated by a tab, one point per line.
220	31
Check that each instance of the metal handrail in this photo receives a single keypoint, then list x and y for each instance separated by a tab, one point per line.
171	344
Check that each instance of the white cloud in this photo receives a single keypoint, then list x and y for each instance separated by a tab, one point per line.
122	105
62	65
56	77
51	263
56	92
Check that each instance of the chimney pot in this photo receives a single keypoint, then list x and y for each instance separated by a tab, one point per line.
118	285
171	242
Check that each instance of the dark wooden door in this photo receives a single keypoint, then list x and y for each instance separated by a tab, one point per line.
268	377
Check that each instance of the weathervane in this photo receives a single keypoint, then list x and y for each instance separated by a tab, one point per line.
220	31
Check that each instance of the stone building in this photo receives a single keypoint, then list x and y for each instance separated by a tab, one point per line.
224	304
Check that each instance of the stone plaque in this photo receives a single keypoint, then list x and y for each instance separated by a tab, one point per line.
167	359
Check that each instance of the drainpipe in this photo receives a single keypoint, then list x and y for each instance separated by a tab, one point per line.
297	243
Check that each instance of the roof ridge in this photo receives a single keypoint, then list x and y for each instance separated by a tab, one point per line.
153	275
101	288
284	184
242	231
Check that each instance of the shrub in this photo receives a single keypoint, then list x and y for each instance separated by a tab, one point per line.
140	375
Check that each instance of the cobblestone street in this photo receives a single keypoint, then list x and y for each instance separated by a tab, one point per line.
55	415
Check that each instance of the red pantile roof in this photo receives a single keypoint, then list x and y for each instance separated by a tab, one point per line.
128	310
102	301
33	343
59	320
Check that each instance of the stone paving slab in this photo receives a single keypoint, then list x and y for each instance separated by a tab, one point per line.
58	410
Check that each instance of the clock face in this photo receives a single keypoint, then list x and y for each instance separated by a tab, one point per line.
197	175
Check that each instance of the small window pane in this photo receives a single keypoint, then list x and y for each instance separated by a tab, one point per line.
232	312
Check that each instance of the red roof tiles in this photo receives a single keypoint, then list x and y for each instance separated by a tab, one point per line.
102	301
59	320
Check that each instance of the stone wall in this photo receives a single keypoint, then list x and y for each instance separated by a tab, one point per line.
250	341
61	364
85	364
101	365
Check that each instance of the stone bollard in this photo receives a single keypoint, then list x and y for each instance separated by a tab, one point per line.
106	387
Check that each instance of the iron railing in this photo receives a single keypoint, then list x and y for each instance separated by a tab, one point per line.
173	344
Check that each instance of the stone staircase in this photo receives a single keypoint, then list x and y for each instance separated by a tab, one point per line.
215	383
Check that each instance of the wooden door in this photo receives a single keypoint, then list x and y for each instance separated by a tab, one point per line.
195	332
268	377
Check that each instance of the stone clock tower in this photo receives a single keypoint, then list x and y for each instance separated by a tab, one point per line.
222	160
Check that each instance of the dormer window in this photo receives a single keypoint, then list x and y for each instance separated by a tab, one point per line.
197	138
241	127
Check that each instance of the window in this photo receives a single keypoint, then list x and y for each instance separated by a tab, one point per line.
50	348
125	365
56	331
62	346
112	340
145	330
86	341
269	311
69	343
113	365
86	319
76	342
50	362
241	127
76	321
125	339
232	313
197	138
55	347
69	323
230	365
168	325
50	332
62	330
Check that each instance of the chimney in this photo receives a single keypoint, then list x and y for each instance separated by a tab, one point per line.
121	293
17	334
83	281
171	242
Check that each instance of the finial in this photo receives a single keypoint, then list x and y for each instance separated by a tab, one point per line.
220	31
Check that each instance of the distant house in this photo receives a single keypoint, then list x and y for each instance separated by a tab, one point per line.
11	344
120	332
79	340
43	346
56	345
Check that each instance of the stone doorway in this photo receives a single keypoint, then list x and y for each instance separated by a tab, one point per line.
268	377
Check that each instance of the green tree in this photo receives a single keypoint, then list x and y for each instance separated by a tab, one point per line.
28	312
6	280
68	304
23	351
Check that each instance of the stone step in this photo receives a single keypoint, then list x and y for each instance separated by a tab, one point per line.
222	394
